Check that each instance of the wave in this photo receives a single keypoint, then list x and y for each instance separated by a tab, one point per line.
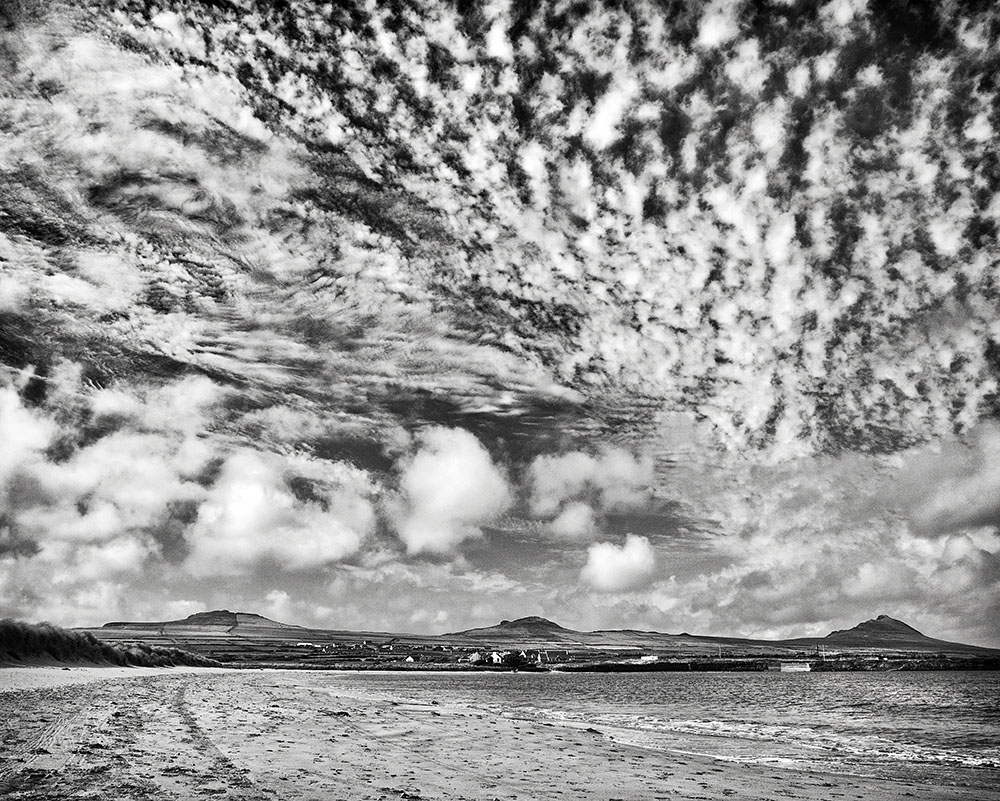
730	739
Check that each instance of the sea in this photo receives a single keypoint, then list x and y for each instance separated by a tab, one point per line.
939	726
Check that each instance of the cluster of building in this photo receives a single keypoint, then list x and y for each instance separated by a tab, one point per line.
396	650
526	657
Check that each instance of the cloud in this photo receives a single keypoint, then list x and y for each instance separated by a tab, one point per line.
104	560
843	12
24	434
978	129
448	488
497	44
575	521
278	606
613	480
602	130
12	294
717	25
613	568
253	513
956	487
87	478
113	461
746	68
578	302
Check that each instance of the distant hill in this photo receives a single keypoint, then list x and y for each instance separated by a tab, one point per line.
880	633
879	629
531	627
217	621
887	632
525	630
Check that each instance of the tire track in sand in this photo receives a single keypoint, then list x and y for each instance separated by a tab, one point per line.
211	772
114	741
57	743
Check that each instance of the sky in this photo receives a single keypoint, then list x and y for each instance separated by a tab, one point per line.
658	315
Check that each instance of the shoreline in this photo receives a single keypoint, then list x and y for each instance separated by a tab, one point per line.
26	677
251	735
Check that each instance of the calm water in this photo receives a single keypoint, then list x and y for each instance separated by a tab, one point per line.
939	725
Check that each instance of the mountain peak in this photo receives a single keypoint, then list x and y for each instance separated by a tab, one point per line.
531	627
223	617
216	618
886	623
532	622
879	629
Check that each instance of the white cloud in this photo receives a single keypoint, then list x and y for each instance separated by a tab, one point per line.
779	238
555	479
12	293
533	162
575	521
252	514
870	76
616	479
448	489
746	69
602	129
278	606
182	405
975	37
182	36
498	45
105	560
23	433
611	568
874	581
798	80
946	236
718	25
842	12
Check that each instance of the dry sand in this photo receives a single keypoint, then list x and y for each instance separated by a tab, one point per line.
127	733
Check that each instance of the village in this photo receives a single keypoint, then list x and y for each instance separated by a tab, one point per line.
396	653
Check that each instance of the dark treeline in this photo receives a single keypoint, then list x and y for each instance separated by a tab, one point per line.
19	640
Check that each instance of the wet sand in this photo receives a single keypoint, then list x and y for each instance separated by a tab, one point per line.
127	733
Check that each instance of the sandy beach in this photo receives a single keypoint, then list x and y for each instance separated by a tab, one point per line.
191	733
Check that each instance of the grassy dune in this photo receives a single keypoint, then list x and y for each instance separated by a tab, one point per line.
21	641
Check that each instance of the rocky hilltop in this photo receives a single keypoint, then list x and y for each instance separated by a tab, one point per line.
879	629
216	620
532	627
